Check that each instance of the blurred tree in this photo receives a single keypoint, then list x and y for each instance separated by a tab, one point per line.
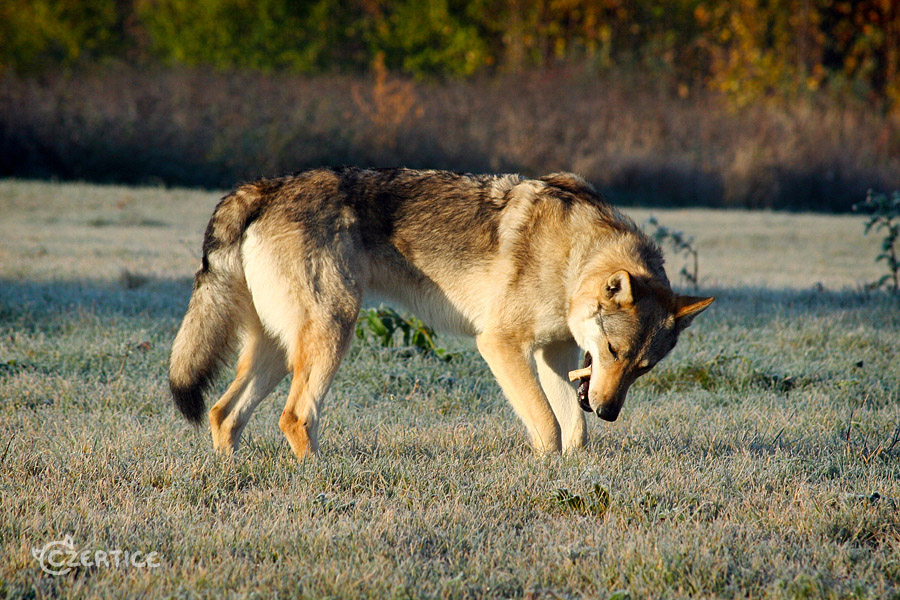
428	37
257	34
747	49
39	34
778	48
864	45
753	46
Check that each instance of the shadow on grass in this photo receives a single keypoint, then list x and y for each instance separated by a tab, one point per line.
167	298
51	307
145	302
30	304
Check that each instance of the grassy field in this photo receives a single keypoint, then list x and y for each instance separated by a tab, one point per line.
760	460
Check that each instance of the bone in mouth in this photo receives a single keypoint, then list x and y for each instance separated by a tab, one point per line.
580	373
583	374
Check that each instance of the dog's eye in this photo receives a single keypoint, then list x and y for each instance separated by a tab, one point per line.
612	352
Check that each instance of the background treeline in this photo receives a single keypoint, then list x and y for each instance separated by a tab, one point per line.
745	48
756	103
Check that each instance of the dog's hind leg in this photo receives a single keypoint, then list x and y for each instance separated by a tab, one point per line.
553	363
262	364
306	279
321	344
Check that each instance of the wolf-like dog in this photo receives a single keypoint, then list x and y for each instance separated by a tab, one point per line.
533	269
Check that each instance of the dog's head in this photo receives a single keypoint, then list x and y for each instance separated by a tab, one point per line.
626	325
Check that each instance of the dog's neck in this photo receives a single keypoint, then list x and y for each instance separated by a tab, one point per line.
629	251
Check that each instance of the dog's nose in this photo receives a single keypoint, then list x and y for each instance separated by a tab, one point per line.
608	412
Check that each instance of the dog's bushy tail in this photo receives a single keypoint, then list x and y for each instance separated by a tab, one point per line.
210	327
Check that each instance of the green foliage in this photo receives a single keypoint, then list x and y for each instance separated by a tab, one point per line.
263	35
383	323
681	244
428	38
38	34
884	215
749	50
420	38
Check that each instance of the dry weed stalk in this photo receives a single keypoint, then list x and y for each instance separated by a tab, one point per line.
864	452
390	105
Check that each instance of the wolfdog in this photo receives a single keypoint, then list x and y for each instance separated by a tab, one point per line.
533	269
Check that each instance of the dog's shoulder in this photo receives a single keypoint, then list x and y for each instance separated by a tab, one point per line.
570	191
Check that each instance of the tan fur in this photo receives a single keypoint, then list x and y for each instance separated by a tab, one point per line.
534	269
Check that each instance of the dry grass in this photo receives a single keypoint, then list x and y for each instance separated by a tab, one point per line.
744	466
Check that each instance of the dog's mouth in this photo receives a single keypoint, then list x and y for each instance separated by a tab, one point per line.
584	386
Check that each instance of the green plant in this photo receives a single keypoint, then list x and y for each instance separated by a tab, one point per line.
681	244
884	214
383	323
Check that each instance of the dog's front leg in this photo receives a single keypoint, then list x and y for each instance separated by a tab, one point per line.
510	362
553	362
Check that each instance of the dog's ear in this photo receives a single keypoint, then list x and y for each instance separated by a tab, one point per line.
688	307
616	291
